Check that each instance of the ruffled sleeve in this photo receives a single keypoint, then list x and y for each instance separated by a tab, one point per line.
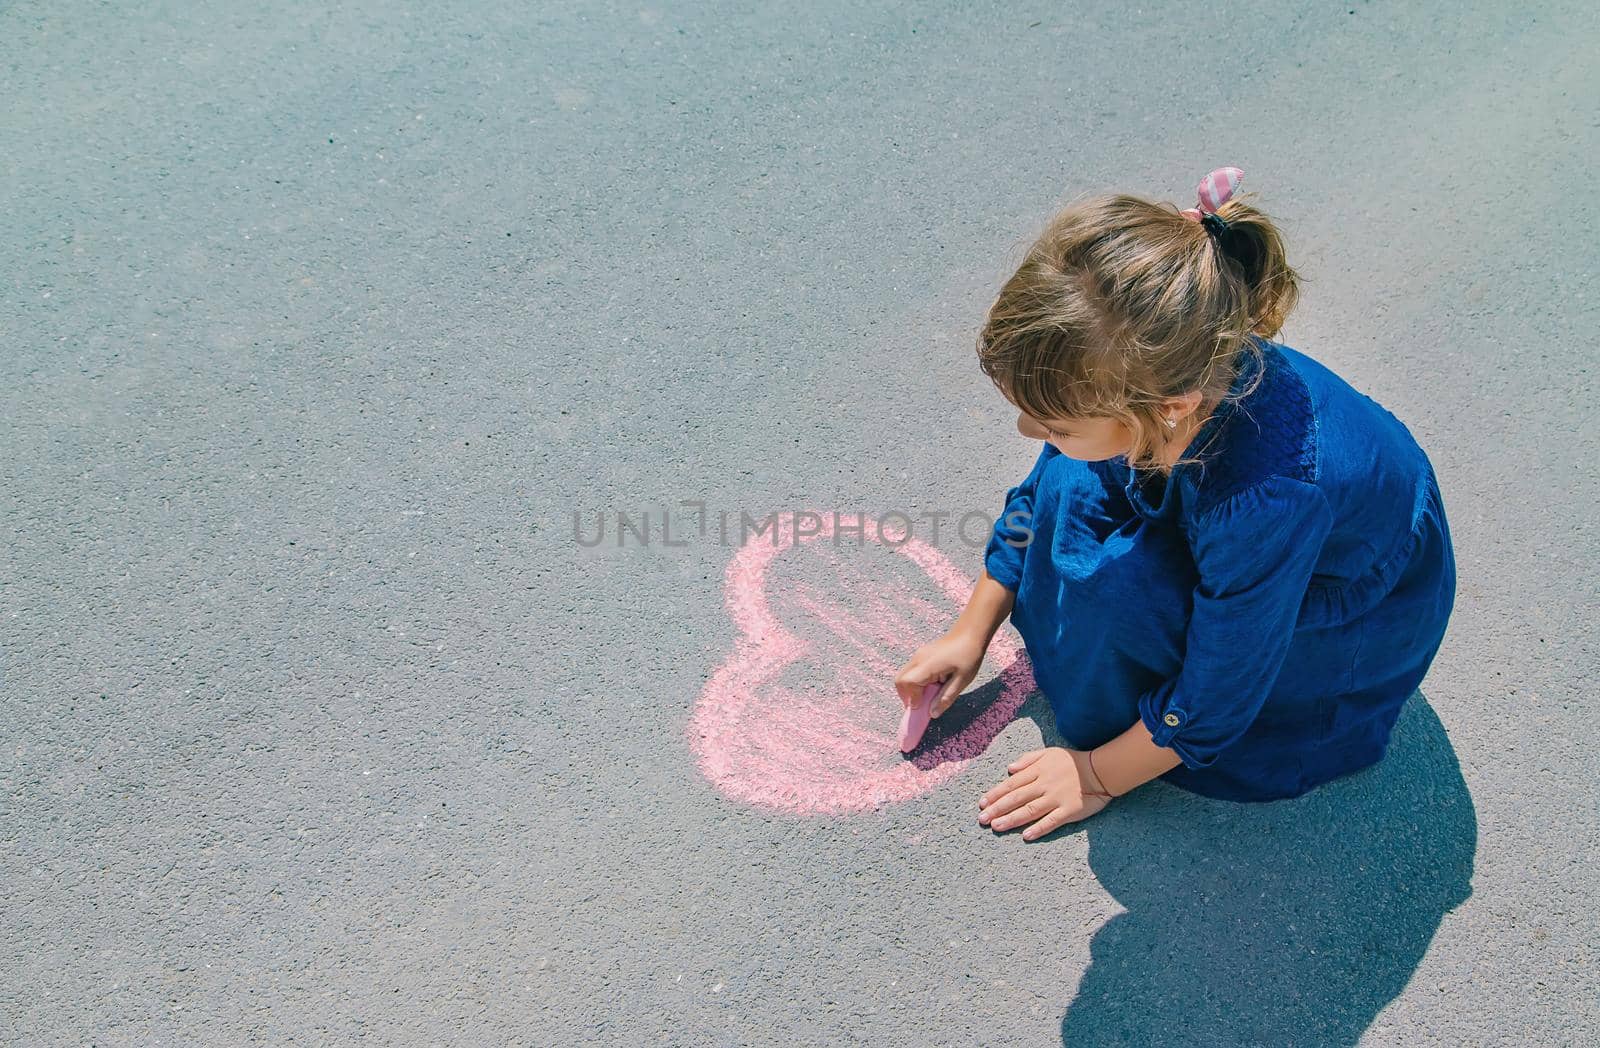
1013	530
1255	552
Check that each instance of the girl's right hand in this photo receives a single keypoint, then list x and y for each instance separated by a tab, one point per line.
954	658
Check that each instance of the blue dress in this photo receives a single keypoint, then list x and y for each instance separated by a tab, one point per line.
1265	613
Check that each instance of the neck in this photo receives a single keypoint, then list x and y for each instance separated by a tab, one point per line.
1180	436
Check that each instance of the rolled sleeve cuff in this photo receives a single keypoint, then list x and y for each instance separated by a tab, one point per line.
1008	543
1163	713
1004	564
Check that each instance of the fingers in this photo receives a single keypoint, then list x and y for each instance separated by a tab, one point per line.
1024	760
1049	824
951	660
1008	805
910	681
1014	782
1035	806
952	691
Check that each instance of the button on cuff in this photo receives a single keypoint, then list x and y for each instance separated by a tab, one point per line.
1163	724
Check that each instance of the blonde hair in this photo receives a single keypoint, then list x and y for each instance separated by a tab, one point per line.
1122	303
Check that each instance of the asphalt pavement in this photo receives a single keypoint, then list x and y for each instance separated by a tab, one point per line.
338	341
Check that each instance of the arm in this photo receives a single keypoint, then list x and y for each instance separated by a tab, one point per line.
1013	529
956	656
988	607
996	592
1131	759
1255	552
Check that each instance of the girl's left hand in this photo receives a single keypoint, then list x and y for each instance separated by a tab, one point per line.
1045	785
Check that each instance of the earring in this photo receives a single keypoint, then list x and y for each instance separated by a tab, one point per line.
1172	423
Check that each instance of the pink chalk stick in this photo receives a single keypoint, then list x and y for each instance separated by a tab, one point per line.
915	720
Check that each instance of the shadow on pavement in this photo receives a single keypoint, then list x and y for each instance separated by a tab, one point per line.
1283	922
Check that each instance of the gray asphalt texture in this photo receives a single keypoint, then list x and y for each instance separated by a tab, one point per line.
320	727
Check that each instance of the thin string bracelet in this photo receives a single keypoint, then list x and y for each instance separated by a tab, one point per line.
1097	778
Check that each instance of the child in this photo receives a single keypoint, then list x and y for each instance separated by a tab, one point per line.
1229	567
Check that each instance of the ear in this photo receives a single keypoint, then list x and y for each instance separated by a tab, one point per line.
1178	407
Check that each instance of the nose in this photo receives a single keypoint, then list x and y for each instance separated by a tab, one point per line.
1029	428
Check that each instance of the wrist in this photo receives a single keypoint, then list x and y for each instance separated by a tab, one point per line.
972	633
1093	782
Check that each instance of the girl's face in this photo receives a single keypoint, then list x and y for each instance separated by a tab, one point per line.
1091	439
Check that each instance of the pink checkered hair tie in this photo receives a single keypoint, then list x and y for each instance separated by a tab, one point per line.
1215	189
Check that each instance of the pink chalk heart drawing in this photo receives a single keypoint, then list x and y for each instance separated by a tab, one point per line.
806	721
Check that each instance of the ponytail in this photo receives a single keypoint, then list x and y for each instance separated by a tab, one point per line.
1254	248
